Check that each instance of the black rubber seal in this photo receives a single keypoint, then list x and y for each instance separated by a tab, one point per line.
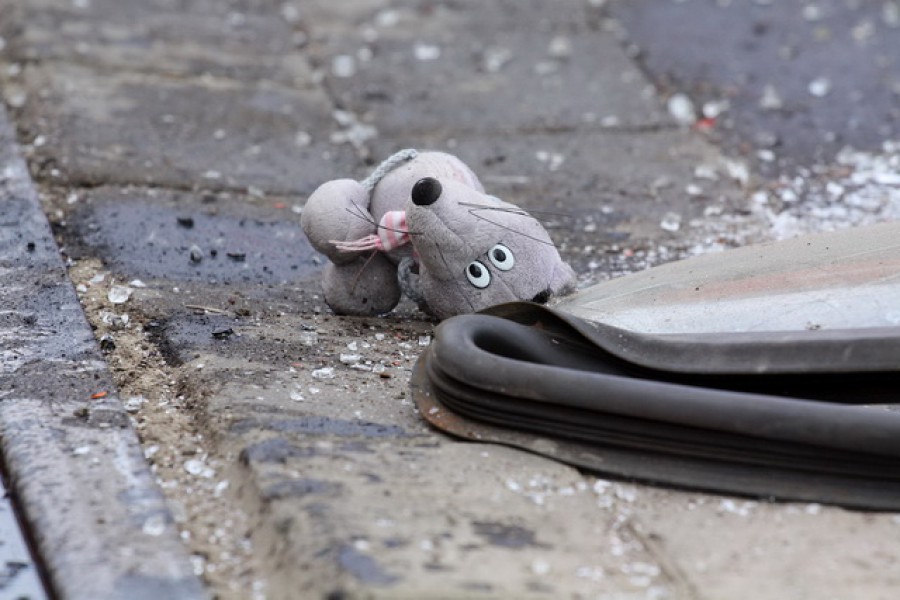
794	415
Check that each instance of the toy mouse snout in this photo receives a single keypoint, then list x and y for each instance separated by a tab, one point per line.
426	191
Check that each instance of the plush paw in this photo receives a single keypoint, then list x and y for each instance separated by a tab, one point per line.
366	287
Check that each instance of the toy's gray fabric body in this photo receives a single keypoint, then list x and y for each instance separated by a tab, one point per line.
428	210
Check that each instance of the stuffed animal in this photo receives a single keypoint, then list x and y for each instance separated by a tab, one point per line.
422	225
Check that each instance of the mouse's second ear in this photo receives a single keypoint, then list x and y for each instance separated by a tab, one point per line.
562	279
337	211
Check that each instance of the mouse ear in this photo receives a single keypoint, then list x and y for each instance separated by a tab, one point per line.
562	281
337	211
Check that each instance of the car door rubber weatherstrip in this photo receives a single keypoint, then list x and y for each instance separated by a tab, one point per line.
796	415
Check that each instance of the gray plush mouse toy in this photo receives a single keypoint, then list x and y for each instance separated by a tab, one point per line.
422	225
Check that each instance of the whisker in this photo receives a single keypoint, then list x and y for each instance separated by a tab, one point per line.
502	226
506	209
363	268
406	231
516	210
359	213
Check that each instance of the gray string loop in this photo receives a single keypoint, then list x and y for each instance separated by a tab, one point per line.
388	165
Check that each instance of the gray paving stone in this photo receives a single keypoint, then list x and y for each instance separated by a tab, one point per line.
358	498
88	127
736	548
223	39
99	523
797	81
487	67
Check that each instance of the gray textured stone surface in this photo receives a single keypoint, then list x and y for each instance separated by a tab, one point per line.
99	522
769	59
19	576
200	38
87	126
417	68
737	548
140	117
355	490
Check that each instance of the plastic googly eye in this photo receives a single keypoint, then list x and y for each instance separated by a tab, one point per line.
502	257
478	274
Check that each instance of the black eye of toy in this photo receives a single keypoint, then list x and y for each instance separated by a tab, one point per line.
426	191
478	274
502	257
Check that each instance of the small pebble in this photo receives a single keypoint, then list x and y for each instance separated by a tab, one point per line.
323	373
426	52
343	66
682	109
671	222
221	334
154	526
134	403
770	100
820	87
119	294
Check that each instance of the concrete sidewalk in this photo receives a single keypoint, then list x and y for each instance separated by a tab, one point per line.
291	458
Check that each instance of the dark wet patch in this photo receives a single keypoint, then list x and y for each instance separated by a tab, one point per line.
137	238
321	426
364	567
179	338
297	488
508	536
